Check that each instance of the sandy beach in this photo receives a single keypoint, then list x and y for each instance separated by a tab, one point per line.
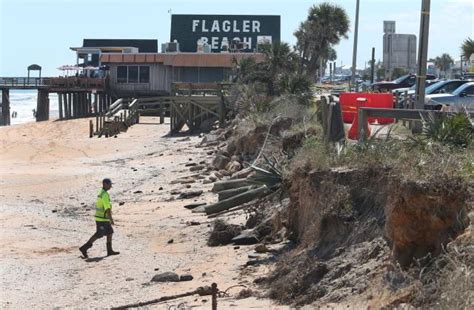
50	174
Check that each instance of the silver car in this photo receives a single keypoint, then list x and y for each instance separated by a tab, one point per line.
463	96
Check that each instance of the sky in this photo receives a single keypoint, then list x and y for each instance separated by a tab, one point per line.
41	31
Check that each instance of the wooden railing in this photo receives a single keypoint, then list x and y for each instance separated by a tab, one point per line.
118	118
399	114
53	82
21	82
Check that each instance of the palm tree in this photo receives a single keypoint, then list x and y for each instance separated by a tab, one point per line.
467	48
326	24
244	69
279	59
443	63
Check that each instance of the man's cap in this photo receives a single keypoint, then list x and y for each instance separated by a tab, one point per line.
107	181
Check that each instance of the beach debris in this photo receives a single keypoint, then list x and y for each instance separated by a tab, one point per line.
170	241
193	223
237	200
246	237
166	277
190	164
261	248
194	205
245	293
121	203
161	188
228	193
201	291
220	161
138	192
234	166
197	168
190	194
186	277
223	233
230	184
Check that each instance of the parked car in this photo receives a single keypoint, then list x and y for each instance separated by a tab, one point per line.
463	96
437	87
404	81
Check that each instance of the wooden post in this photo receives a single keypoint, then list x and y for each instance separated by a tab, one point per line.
162	112
74	105
42	106
95	103
5	120
69	105
91	128
214	296
60	105
221	112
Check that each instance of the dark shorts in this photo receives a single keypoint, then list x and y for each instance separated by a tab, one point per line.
104	229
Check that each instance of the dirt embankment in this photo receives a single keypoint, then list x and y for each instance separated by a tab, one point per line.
354	227
360	236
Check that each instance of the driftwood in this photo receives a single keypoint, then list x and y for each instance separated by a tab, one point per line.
202	291
236	200
233	191
229	211
242	173
230	184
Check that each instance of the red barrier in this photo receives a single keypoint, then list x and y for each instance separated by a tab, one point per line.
351	101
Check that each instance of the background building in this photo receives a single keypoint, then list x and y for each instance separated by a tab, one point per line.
399	50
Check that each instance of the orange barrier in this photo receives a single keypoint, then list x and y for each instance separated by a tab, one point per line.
351	101
353	133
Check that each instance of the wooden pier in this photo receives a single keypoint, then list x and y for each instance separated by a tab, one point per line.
77	96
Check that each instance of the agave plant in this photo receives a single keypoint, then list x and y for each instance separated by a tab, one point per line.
456	129
270	176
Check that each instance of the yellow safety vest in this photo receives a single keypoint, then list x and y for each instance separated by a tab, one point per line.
102	205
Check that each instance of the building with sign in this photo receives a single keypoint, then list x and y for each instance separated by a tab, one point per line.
202	49
223	33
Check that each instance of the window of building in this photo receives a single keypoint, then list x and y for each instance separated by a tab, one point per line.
132	74
122	74
144	74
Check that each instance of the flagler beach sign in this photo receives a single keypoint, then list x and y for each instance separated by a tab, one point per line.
219	30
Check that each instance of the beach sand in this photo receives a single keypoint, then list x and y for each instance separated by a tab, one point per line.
50	175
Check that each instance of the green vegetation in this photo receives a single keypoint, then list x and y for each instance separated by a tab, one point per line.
455	130
443	62
467	48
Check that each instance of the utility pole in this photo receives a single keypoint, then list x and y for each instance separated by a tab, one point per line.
422	56
354	52
372	66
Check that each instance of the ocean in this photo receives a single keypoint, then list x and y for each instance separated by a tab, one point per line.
24	101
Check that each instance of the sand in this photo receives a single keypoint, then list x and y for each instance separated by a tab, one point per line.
50	175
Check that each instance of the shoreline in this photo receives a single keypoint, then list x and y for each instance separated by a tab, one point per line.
51	172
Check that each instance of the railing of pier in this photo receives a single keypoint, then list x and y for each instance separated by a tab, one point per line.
21	82
53	82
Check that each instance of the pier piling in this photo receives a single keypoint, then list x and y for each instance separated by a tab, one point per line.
5	117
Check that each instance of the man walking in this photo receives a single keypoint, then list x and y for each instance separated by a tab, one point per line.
103	219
